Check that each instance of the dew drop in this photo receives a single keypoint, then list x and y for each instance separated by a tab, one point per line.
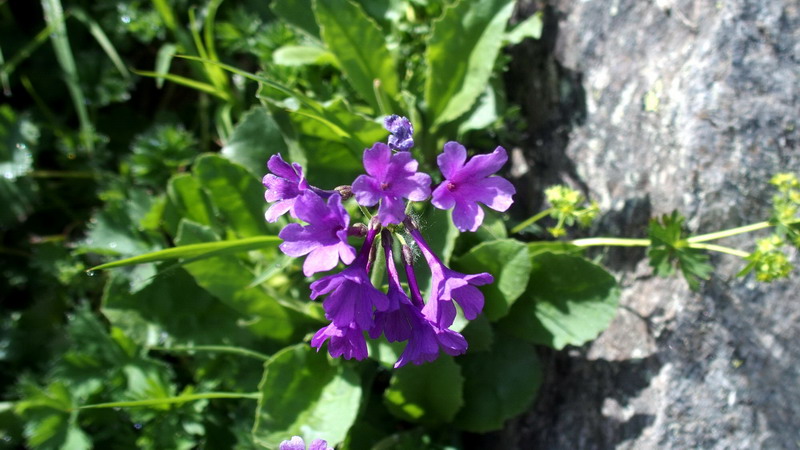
125	19
91	273
138	426
112	245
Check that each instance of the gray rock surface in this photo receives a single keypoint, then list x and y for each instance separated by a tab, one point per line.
651	106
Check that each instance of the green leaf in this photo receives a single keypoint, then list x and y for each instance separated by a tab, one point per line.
306	394
198	251
429	393
568	301
298	13
510	264
302	55
359	45
227	278
255	138
499	384
669	248
460	56
236	194
172	309
528	28
164	60
50	425
189	200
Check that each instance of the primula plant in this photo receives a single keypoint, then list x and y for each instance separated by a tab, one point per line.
388	294
352	304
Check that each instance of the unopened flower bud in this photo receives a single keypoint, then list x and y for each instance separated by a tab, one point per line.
345	191
357	229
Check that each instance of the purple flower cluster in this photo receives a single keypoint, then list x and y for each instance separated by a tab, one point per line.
353	305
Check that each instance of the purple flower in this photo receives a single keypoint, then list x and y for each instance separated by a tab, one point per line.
297	443
347	341
324	239
352	296
467	184
391	178
405	322
448	285
402	132
284	185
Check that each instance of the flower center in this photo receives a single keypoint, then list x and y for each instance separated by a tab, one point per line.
451	186
385	186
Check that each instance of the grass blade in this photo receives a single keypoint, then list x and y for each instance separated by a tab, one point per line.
169	400
188	82
196	251
102	39
54	16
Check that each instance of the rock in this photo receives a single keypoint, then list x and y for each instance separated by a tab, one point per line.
650	107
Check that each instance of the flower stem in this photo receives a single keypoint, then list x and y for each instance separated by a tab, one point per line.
727	233
214	348
719	248
612	242
531	220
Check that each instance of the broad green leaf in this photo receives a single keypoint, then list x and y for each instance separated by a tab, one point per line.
359	45
528	28
461	53
302	55
479	334
306	394
172	309
568	301
298	13
189	200
198	251
498	384
429	393
227	278
510	265
255	138
236	194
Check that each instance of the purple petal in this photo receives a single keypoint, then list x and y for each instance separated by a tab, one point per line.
311	208
296	240
481	166
281	168
347	341
367	190
494	192
442	198
326	284
402	132
296	443
452	159
321	259
392	210
470	299
467	215
440	312
376	160
451	342
416	187
319	444
346	252
278	209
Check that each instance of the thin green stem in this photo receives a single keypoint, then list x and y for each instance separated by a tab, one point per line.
170	400
365	211
613	242
531	220
727	233
719	248
214	348
735	231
